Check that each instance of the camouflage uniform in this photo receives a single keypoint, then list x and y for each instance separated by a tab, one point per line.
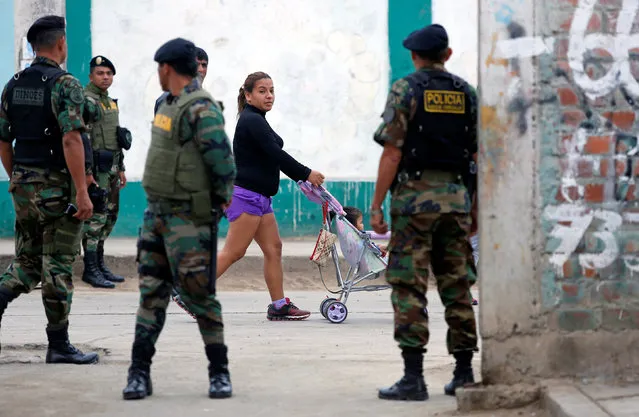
430	223
100	226
175	250
46	239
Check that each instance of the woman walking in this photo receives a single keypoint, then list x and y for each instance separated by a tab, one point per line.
259	158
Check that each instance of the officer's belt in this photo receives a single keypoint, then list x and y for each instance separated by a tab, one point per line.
50	172
169	206
429	174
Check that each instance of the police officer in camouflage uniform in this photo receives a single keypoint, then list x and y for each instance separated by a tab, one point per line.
42	110
429	137
108	140
202	61
188	179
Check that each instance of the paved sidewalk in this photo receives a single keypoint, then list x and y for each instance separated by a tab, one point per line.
592	400
310	368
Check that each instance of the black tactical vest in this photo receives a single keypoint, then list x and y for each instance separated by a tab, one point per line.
438	137
33	124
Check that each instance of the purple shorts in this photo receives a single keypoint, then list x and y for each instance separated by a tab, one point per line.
249	202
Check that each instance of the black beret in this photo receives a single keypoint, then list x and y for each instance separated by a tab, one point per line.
45	24
201	54
101	61
429	39
176	50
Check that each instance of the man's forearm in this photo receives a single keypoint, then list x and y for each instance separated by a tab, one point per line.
6	154
388	164
74	156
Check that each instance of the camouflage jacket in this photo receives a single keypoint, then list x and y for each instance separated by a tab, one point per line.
203	123
67	101
435	191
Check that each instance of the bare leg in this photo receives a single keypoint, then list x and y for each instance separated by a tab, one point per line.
238	239
268	237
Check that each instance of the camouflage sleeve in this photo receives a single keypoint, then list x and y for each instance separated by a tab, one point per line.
68	104
121	166
474	111
5	134
91	111
400	108
206	123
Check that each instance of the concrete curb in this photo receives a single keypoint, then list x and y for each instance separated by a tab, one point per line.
246	275
299	273
493	397
568	401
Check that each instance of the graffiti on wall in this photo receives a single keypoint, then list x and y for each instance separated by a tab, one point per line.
580	76
617	45
597	191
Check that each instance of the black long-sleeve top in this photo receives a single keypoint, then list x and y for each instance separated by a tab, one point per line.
259	156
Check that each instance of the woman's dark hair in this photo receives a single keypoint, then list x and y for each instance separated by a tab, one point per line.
248	86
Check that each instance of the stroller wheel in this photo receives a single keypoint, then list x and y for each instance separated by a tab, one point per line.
324	305
336	312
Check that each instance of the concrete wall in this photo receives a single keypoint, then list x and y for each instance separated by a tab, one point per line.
559	213
328	59
460	18
331	61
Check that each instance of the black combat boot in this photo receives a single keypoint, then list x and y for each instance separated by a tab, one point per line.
463	373
92	274
139	384
219	375
412	386
62	351
110	276
6	296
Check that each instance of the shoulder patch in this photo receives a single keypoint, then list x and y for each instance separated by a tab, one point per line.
76	95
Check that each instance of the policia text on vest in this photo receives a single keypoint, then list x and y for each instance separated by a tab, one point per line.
445	102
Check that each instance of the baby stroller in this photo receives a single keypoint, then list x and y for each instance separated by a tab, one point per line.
364	258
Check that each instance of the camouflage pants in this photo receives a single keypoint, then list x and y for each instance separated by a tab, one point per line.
46	243
174	251
439	241
98	228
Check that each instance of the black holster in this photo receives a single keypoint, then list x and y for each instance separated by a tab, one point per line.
98	197
103	160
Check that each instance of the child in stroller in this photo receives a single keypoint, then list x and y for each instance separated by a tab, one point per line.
356	218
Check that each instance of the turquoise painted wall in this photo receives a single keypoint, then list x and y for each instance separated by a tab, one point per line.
404	17
79	38
296	215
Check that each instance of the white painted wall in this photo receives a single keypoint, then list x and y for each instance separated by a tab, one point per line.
25	12
459	17
328	60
